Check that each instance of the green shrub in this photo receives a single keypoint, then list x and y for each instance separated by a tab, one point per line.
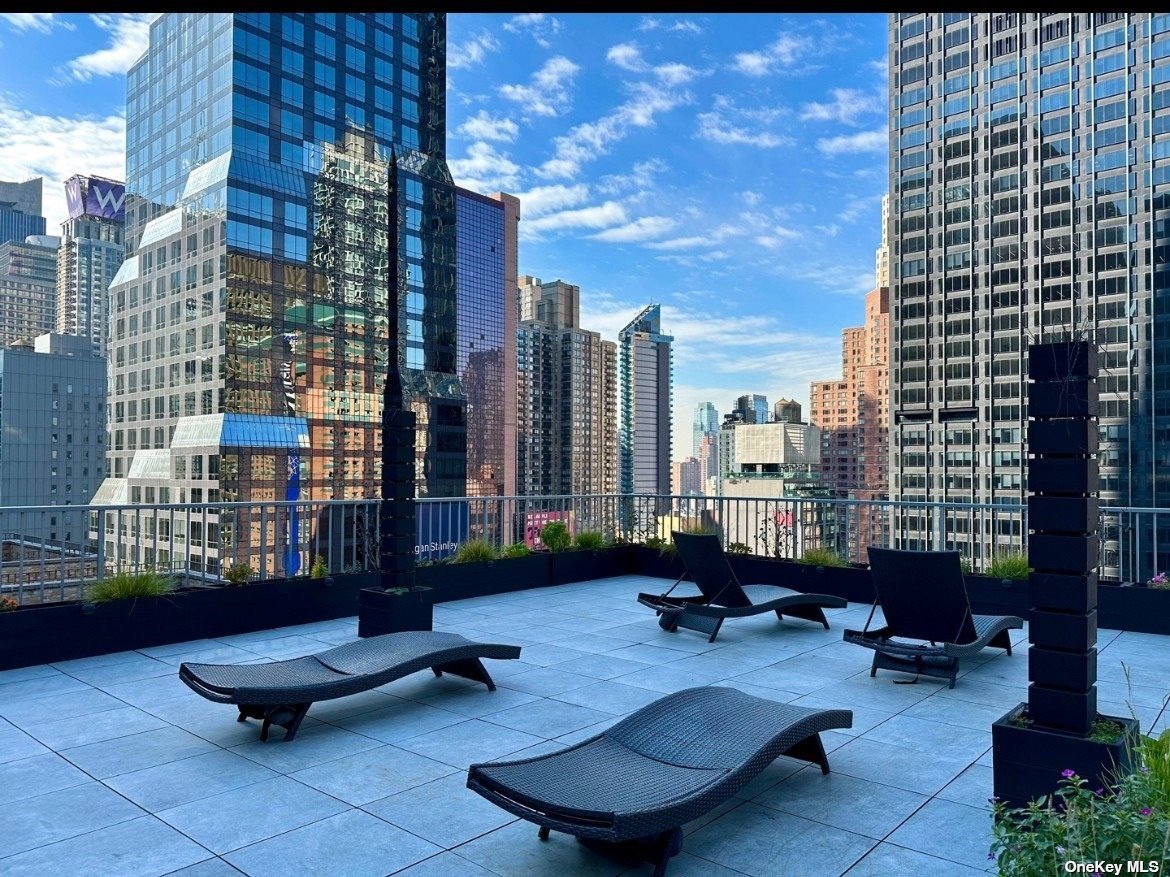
555	536
238	574
475	551
519	549
1012	565
965	565
822	557
1130	824
130	585
319	570
590	540
657	542
8	604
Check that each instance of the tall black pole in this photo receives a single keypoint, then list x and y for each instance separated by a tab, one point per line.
397	527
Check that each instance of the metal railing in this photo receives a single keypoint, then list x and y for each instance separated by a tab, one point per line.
51	553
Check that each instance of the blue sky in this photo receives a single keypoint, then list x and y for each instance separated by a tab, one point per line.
729	167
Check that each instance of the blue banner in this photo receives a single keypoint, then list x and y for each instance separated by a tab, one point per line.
440	527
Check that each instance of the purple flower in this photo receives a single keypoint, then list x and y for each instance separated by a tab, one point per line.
1145	811
1100	793
1068	773
1145	769
1060	850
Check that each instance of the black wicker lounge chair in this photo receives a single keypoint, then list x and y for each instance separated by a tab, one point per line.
723	596
923	597
281	692
638	782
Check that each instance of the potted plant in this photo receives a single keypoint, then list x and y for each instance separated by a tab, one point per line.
1143	607
591	556
827	572
1003	588
478	569
320	572
238	574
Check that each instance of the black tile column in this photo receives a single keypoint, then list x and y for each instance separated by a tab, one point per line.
1062	545
397	525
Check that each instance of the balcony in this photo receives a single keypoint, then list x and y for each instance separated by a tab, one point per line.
111	765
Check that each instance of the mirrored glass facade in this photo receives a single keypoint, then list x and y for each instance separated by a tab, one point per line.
259	213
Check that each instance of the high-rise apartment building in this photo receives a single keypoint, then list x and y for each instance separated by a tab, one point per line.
881	256
28	287
566	392
20	210
646	373
92	250
485	246
853	416
852	413
267	154
686	477
753	407
52	447
1030	200
787	411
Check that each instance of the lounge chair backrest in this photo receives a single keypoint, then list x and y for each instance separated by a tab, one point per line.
922	594
705	561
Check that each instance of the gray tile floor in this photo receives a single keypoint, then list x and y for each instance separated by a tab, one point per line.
111	766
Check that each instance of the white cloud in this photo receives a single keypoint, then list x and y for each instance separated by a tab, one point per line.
129	39
846	106
730	124
751	198
783	52
481	126
709	238
643	229
538	25
57	147
628	56
38	21
597	216
865	141
640	177
682	25
589	140
472	52
776	236
547	94
542	200
484	169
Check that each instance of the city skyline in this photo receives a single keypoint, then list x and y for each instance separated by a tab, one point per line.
760	123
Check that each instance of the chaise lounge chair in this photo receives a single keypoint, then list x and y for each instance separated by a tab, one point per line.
923	597
281	692
673	760
723	596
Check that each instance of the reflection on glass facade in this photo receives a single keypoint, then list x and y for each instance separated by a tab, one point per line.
483	303
1030	187
258	149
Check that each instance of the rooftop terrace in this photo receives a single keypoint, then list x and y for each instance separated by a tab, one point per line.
110	765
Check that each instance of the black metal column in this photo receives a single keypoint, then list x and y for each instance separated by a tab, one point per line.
396	520
1062	545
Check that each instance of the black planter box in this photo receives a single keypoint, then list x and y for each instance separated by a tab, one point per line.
382	612
1027	762
1075	670
644	560
1063	399
1063	514
1133	607
1065	593
1062	709
1071	554
853	582
1063	436
63	631
584	565
992	596
1064	359
1062	477
459	581
1062	630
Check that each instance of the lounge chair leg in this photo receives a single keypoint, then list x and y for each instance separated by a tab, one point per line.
715	632
294	723
873	668
243	716
471	668
810	749
808	613
1002	640
543	833
668	845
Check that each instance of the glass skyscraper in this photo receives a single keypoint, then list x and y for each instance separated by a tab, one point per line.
1030	201
91	252
250	318
20	210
